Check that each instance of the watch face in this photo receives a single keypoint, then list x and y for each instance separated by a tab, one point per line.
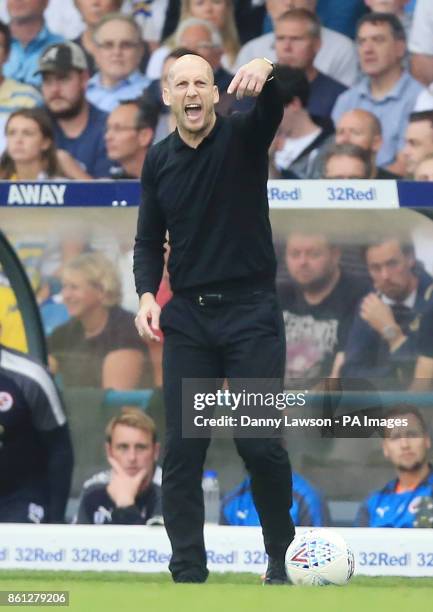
390	333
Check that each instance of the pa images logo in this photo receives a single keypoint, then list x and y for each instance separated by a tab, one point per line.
6	401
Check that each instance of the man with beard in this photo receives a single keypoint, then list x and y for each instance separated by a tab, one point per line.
406	501
79	127
382	345
318	306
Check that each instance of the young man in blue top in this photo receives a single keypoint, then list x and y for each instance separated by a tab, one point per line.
406	501
309	508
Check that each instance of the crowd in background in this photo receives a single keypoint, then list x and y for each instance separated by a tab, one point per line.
361	106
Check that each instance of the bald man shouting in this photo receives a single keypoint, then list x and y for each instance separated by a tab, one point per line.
206	185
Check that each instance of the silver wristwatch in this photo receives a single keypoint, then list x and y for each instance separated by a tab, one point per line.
271	76
390	332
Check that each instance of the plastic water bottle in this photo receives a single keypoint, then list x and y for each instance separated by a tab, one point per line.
211	494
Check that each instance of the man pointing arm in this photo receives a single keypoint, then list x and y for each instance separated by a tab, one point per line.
206	185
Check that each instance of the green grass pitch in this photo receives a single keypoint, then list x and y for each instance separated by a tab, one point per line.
121	592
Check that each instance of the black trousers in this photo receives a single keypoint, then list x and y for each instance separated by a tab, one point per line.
243	338
27	505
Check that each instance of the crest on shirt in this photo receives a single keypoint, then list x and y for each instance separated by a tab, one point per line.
6	401
381	510
35	513
414	504
101	516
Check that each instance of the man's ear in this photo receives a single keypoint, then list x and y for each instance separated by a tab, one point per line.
145	136
376	143
156	451
294	105
107	449
84	77
401	48
336	254
166	96
216	95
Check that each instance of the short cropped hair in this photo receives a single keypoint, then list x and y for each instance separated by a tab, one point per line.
118	4
303	15
100	272
147	115
215	35
293	83
117	17
347	149
305	229
132	417
426	115
400	410
179	52
377	239
4	29
393	21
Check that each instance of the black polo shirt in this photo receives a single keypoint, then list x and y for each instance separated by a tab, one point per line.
213	202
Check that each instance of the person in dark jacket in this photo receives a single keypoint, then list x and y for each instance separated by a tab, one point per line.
382	343
36	456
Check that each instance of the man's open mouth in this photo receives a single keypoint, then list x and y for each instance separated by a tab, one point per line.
193	111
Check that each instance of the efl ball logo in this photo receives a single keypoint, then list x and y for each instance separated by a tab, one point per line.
319	557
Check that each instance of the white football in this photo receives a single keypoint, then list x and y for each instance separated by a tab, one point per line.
319	557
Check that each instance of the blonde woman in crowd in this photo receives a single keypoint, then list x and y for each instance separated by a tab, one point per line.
221	14
98	347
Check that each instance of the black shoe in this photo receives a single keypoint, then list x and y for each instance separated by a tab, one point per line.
190	577
276	572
